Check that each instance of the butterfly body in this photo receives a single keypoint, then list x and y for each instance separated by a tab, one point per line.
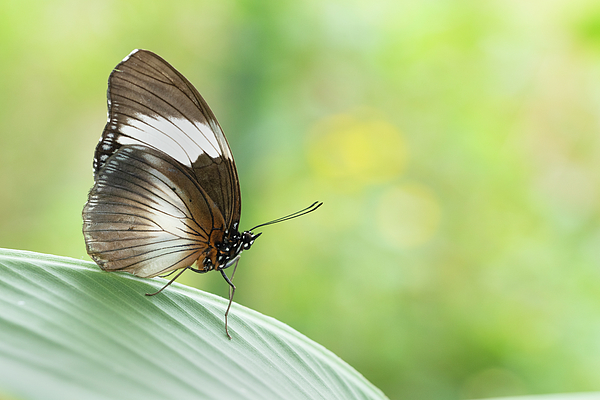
166	194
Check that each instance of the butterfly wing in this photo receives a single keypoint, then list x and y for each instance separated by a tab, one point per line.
166	186
152	104
147	215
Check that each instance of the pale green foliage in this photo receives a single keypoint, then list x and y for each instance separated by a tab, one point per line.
71	331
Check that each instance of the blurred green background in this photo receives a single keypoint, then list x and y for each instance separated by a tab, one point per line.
455	145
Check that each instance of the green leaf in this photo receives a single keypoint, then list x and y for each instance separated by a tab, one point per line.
561	396
71	331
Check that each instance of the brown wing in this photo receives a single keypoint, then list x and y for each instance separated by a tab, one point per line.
147	215
152	104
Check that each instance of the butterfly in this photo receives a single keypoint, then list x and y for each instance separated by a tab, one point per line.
166	194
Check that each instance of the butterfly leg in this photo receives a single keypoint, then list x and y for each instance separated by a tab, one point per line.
169	274
198	271
231	293
171	281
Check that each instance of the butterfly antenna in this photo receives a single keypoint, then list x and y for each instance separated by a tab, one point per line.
297	214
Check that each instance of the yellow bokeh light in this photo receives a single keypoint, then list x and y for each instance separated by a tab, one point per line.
357	149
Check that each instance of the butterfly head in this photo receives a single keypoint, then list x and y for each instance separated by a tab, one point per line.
248	239
233	244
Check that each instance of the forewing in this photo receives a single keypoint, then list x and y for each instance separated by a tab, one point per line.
147	215
152	104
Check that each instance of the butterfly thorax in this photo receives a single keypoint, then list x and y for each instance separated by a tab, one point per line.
226	251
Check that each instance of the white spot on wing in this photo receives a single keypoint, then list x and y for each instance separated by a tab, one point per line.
178	137
108	110
130	54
